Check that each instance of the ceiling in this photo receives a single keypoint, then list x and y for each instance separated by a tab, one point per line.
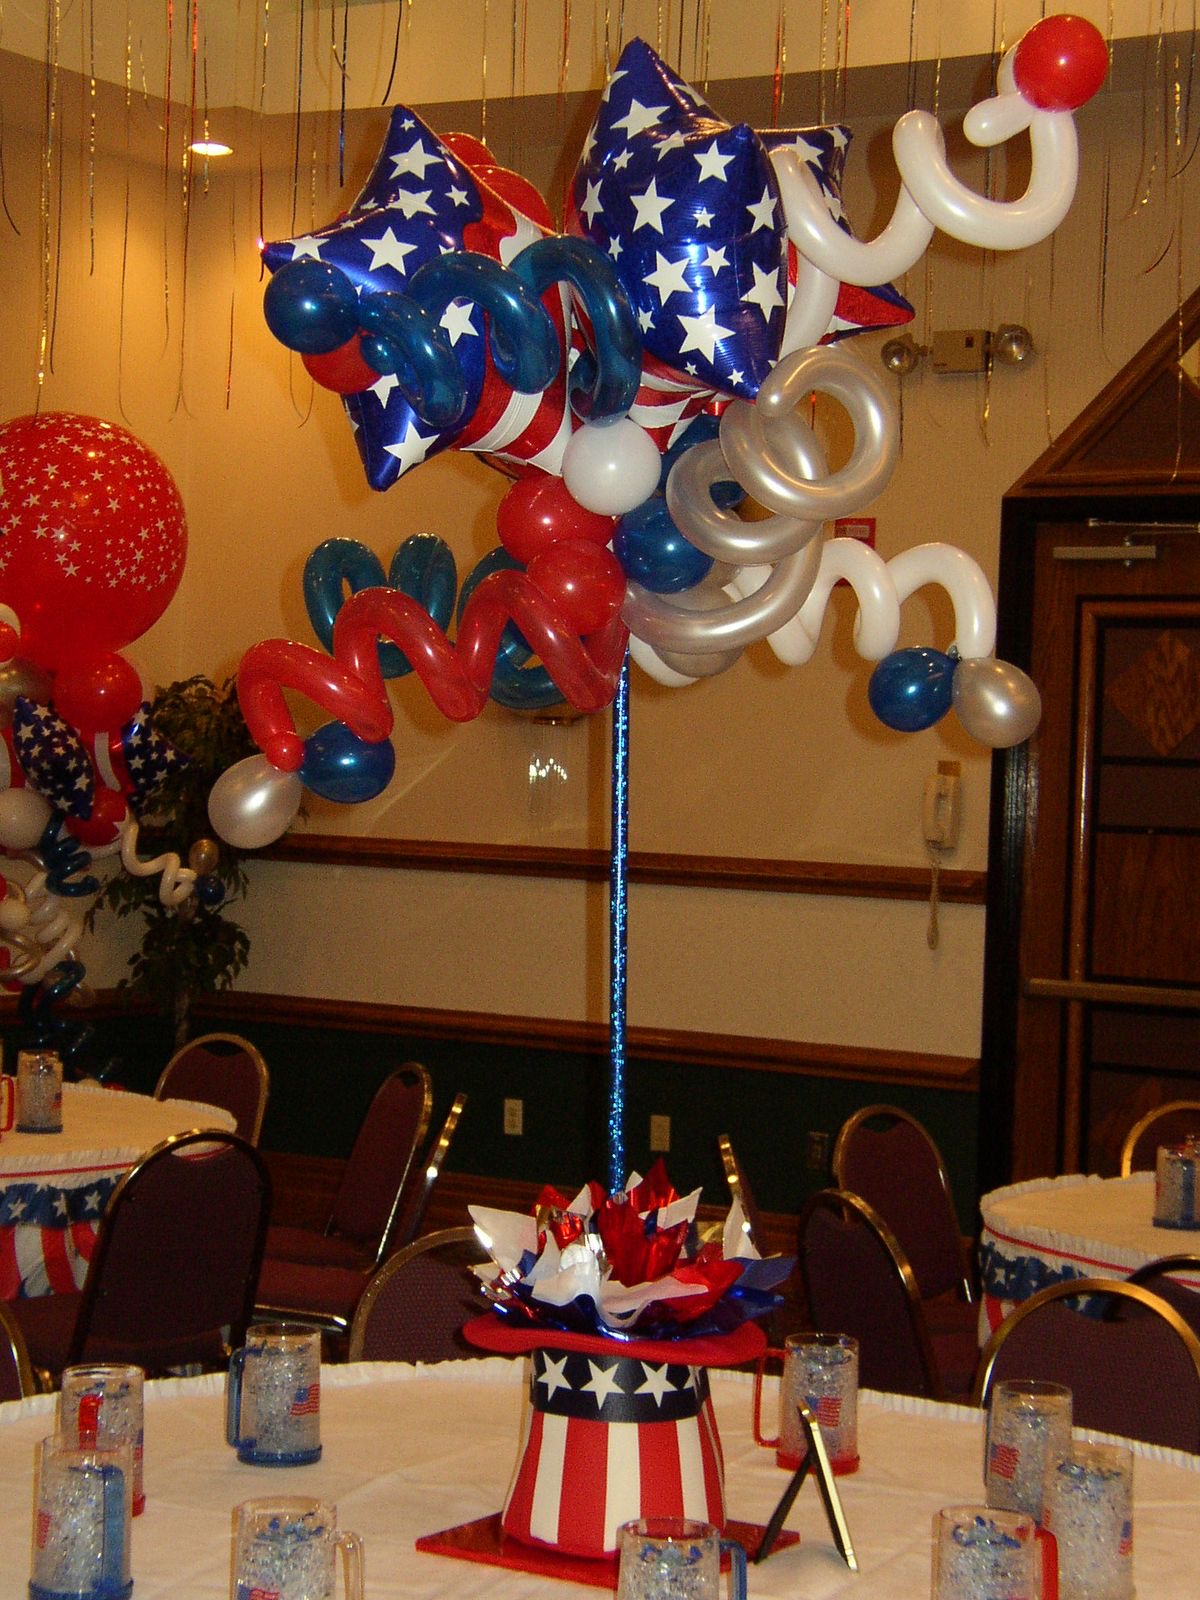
248	52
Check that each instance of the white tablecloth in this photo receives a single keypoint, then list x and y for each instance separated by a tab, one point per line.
54	1186
409	1451
1040	1232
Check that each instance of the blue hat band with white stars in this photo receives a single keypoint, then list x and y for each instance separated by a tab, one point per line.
615	1388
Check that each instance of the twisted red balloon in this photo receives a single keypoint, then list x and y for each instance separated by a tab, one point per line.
350	686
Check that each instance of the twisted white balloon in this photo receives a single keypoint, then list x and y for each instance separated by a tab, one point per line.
48	934
930	197
177	881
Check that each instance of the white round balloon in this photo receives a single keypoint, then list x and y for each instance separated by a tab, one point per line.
252	803
611	467
23	818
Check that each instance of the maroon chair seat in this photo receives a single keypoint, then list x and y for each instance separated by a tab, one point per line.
171	1280
220	1069
299	1291
1136	1375
415	1305
858	1281
306	1246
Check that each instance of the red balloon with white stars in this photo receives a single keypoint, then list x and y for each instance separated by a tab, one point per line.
93	536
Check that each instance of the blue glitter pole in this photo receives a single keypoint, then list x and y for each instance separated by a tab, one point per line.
618	931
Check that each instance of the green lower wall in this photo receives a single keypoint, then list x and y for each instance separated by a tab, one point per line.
322	1080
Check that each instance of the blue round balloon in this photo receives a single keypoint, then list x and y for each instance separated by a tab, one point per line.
654	553
912	689
340	766
210	891
311	306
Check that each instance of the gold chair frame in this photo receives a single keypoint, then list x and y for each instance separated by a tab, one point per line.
1130	1141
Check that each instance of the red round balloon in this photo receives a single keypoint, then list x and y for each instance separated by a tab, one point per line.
94	535
108	813
1060	63
539	511
585	581
343	370
99	692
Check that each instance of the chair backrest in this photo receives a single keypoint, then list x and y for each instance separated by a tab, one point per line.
740	1190
220	1069
175	1267
857	1280
886	1156
1138	1376
414	1200
1156	1276
1166	1124
388	1138
16	1373
414	1307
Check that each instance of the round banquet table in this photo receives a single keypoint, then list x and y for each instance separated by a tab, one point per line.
1040	1232
409	1451
54	1186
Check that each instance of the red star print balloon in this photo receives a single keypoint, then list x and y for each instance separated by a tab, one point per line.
92	535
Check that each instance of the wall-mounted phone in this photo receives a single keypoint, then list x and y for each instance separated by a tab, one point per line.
941	808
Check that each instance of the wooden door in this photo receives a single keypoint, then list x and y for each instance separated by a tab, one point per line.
1107	998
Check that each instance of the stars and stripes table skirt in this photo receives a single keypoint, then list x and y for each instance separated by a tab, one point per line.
1048	1229
54	1187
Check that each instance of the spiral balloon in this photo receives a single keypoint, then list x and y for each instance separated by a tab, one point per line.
177	882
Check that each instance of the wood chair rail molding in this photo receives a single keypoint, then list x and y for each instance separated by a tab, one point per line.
844	878
726	1051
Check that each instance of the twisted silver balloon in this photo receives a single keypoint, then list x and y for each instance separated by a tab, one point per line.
776	457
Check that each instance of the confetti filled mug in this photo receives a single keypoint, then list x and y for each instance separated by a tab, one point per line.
822	1370
39	1091
101	1406
1089	1510
675	1558
980	1553
273	1396
81	1512
287	1549
1028	1430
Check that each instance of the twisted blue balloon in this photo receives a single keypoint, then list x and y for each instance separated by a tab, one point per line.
62	858
521	336
423	568
604	380
400	337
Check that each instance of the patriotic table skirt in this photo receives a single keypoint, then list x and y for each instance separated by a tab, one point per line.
48	1230
611	1437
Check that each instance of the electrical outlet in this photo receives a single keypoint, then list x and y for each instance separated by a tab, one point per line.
816	1150
514	1116
660	1135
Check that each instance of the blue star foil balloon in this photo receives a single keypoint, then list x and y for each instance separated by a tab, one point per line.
53	758
689	211
142	758
419	204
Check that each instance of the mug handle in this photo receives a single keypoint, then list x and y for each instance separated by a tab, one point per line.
8	1094
112	1559
1048	1546
759	1368
737	1568
351	1547
233	1398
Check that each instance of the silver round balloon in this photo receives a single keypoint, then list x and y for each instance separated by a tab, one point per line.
21	678
997	703
252	803
760	461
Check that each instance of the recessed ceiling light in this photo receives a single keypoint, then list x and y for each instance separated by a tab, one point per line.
210	147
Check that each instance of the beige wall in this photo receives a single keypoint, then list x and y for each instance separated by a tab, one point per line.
762	761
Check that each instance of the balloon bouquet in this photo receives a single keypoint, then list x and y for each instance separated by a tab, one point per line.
637	377
92	550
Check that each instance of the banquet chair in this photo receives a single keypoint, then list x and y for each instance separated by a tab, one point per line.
16	1373
1136	1375
1166	1124
858	1280
886	1156
172	1276
740	1190
423	1175
367	1206
1157	1276
414	1307
220	1069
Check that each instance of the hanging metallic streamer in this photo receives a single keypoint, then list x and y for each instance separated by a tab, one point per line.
185	198
166	174
564	60
262	99
125	224
296	118
483	69
343	75
91	166
49	146
780	63
618	931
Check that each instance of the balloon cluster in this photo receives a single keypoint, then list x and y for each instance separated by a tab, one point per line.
94	544
640	378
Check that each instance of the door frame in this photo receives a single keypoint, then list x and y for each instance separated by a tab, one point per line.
1014	802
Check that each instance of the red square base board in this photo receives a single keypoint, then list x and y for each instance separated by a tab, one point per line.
486	1541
